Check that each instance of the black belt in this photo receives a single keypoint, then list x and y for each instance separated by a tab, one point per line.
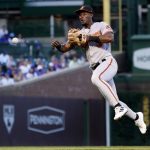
94	66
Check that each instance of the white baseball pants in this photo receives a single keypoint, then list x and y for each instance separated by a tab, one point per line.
102	77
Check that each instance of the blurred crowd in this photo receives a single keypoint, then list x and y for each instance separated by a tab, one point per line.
13	70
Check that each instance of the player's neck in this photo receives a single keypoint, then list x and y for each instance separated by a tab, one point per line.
88	25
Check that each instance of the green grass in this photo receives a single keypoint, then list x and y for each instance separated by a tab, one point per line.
78	148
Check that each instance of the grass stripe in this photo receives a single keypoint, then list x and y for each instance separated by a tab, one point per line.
78	148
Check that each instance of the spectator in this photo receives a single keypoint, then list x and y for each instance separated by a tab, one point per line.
6	79
38	48
31	74
3	31
24	66
54	64
73	62
63	61
4	57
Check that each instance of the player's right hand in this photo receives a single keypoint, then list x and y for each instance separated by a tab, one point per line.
56	44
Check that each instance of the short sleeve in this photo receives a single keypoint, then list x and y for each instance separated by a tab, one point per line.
105	28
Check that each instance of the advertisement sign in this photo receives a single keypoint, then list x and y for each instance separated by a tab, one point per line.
46	120
38	121
8	116
141	58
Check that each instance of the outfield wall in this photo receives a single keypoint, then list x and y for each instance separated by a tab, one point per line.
64	108
38	121
60	108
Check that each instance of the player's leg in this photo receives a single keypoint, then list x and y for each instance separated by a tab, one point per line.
131	114
137	117
103	73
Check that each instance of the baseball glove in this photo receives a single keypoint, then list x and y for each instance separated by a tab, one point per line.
76	37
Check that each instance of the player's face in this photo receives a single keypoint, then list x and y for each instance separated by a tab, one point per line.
85	18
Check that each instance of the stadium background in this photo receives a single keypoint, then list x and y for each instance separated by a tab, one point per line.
59	104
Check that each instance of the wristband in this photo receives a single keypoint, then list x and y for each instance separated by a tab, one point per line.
59	48
94	39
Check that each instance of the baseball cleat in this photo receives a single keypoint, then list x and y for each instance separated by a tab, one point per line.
140	123
119	112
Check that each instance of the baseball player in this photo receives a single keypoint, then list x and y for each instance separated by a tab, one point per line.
95	39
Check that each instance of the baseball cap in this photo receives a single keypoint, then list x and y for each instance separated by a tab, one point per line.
84	8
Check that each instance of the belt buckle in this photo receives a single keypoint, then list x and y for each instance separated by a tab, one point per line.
94	66
103	59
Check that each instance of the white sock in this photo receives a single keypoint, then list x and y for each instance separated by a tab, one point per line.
131	114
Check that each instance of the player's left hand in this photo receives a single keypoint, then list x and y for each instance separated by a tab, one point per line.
75	37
